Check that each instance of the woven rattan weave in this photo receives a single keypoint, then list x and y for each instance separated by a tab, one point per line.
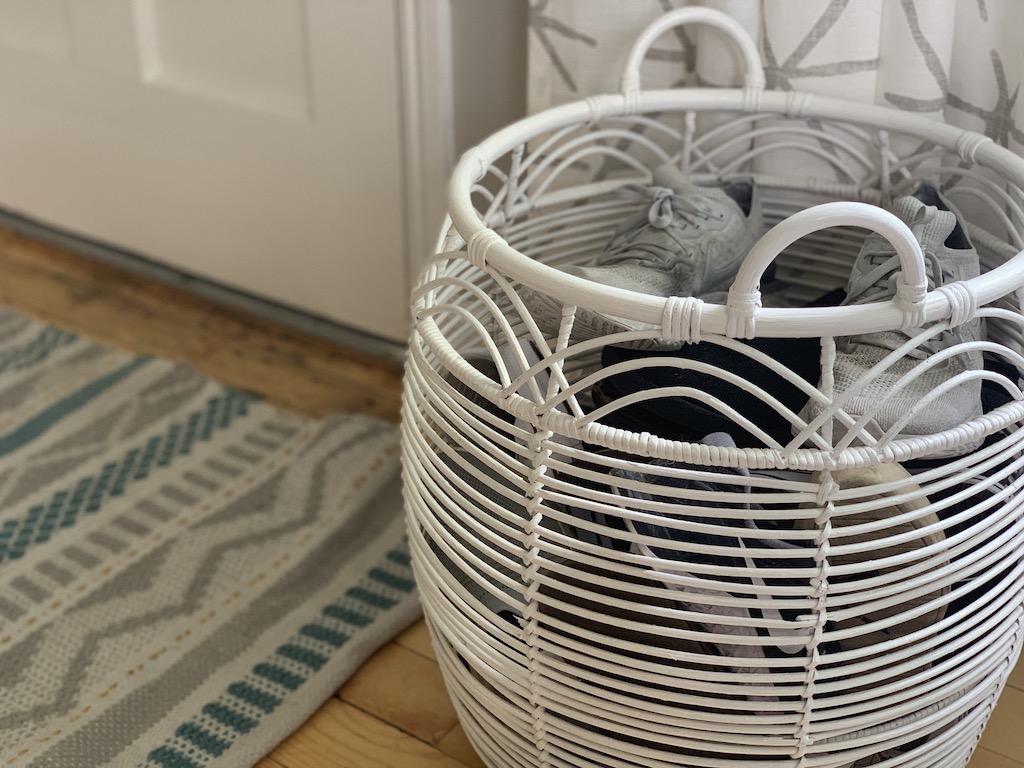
853	598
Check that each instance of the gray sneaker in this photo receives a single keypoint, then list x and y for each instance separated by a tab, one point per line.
949	257
686	239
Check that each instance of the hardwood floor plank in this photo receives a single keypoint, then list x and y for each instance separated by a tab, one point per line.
1004	733
293	370
417	639
984	758
456	744
404	689
1017	676
342	736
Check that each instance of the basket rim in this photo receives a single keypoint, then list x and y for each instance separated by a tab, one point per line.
485	247
558	423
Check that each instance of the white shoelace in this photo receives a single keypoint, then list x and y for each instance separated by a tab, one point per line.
879	284
666	208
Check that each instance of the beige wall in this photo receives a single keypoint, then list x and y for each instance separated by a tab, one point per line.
489	66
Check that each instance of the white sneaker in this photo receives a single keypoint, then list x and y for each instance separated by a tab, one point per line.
949	257
686	239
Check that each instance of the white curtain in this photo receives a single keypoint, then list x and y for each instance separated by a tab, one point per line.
956	60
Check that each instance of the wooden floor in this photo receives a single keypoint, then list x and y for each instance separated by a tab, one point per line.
394	712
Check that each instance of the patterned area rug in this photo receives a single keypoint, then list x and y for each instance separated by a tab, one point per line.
186	573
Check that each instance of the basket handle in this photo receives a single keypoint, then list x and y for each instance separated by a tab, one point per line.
745	297
754	80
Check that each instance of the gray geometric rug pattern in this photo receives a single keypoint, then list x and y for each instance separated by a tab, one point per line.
186	572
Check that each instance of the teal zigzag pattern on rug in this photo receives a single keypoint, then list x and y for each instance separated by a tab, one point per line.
187	573
37	349
52	415
237	712
87	495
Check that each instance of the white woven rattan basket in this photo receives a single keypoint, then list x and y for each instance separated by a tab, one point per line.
601	594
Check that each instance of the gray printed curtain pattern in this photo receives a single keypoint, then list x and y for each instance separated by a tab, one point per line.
955	60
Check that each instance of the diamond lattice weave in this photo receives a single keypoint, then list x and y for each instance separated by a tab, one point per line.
186	572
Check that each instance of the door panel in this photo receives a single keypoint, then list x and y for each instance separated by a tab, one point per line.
191	45
38	26
252	142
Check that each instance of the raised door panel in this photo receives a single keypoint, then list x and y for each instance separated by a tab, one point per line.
252	142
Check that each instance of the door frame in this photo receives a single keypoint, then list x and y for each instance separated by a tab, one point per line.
428	122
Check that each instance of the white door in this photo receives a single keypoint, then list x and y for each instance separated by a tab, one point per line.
253	142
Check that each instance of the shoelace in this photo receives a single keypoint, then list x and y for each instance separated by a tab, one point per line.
666	208
880	284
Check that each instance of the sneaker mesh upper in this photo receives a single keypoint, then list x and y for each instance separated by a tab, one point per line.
683	240
873	278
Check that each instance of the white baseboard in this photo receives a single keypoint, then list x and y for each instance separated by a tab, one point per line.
291	317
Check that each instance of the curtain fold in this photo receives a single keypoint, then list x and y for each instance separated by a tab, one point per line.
954	60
